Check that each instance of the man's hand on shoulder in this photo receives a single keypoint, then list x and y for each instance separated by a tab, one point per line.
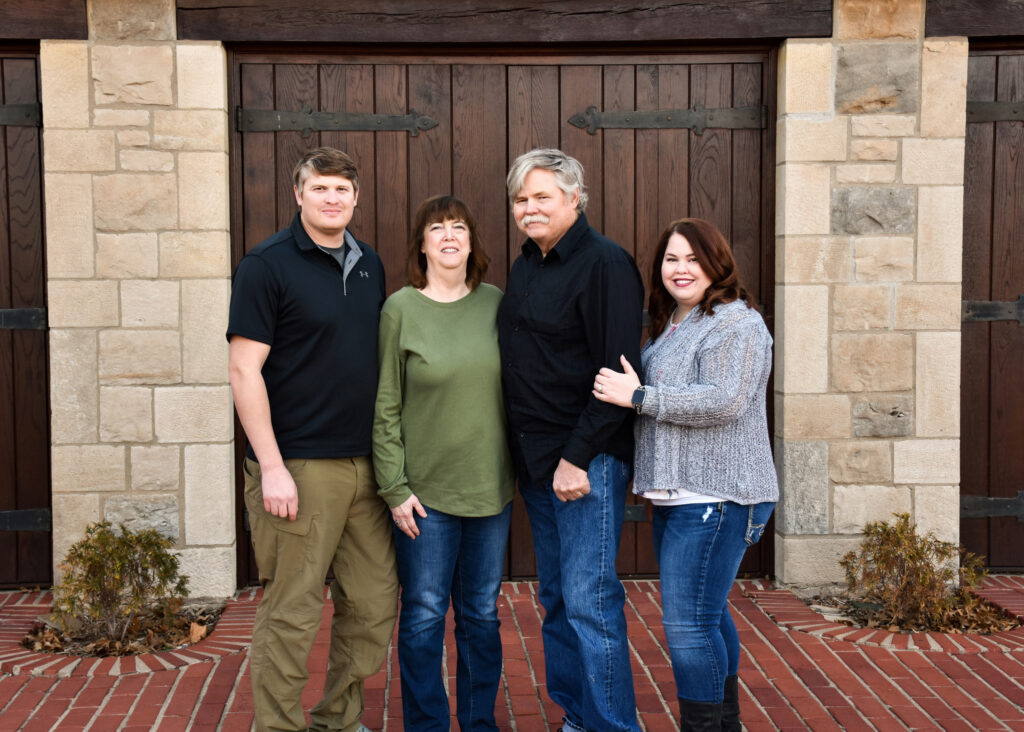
570	482
280	496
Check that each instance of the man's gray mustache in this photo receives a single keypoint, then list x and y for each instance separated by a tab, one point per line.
535	219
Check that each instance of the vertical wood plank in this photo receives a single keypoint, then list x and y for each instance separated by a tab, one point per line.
648	225
710	166
977	272
392	170
259	200
8	470
430	152
619	154
746	174
295	87
581	87
673	147
479	164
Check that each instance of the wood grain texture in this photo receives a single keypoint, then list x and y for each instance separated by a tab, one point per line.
37	19
494	21
974	18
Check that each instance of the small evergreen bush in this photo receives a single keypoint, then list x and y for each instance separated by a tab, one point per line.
111	577
911	579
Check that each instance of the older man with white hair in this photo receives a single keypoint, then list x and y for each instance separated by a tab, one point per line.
574	304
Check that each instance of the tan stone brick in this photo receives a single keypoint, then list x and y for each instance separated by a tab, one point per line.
82	303
194	414
190	130
149	304
872	361
937	376
209	494
134	20
813	259
156	467
79	150
928	307
815	416
126	414
64	78
926	461
863	19
933	162
812	560
805	77
801	338
202	76
147	160
878	173
940	226
74	410
210	570
808	140
937	511
874	149
70	251
128	201
884	258
944	88
806	204
195	254
132	74
858	505
120	118
133	138
87	468
860	461
883	125
861	307
126	255
140	357
204	309
203	190
72	513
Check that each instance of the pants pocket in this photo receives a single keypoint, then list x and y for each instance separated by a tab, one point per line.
267	529
757	518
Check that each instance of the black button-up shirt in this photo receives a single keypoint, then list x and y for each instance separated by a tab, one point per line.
563	317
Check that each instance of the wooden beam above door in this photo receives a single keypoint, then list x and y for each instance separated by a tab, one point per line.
31	20
497	21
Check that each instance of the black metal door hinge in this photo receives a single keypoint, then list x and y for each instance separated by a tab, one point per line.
21	115
995	111
976	311
988	506
307	121
697	118
25	519
22	318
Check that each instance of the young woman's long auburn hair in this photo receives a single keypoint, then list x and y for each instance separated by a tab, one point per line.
715	257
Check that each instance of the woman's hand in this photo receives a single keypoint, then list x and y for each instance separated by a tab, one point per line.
405	516
615	387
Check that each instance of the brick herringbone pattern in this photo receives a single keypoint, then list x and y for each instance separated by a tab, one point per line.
798	672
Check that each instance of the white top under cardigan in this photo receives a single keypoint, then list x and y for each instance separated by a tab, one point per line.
704	426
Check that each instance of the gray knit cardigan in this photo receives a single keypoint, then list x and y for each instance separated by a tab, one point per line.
703	426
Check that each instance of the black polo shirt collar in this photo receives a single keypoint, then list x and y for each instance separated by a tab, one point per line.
564	247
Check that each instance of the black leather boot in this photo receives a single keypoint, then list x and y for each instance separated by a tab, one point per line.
731	705
695	716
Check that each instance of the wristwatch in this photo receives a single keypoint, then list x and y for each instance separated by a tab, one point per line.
638	398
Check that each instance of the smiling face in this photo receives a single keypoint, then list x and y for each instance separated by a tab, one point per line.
682	275
328	202
446	245
542	210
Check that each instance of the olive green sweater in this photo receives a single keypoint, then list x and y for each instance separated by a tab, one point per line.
439	426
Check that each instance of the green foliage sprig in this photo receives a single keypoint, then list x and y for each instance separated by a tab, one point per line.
912	578
110	577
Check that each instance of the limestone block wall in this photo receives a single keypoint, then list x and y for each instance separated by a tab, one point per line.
870	154
136	190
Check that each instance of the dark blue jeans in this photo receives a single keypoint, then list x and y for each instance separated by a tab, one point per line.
586	655
699	547
461	558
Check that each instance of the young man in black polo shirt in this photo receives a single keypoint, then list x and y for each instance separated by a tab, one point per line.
302	328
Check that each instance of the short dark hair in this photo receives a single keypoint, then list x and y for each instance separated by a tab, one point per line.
326	161
439	209
715	257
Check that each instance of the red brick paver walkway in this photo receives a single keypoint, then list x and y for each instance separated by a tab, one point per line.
798	672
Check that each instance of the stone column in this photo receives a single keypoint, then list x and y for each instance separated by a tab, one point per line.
138	261
870	183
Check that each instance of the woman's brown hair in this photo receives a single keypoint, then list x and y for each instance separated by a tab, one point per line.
440	209
715	257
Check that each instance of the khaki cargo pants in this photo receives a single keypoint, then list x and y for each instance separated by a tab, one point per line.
341	523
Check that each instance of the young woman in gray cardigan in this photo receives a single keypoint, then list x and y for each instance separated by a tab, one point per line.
703	456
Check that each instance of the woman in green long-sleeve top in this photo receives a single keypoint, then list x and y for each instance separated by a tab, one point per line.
441	459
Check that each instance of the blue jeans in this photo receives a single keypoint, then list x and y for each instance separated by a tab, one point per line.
586	654
461	558
699	547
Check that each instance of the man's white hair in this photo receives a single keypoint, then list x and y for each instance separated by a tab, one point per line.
567	169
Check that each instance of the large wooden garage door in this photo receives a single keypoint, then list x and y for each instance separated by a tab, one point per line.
24	405
992	393
488	111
